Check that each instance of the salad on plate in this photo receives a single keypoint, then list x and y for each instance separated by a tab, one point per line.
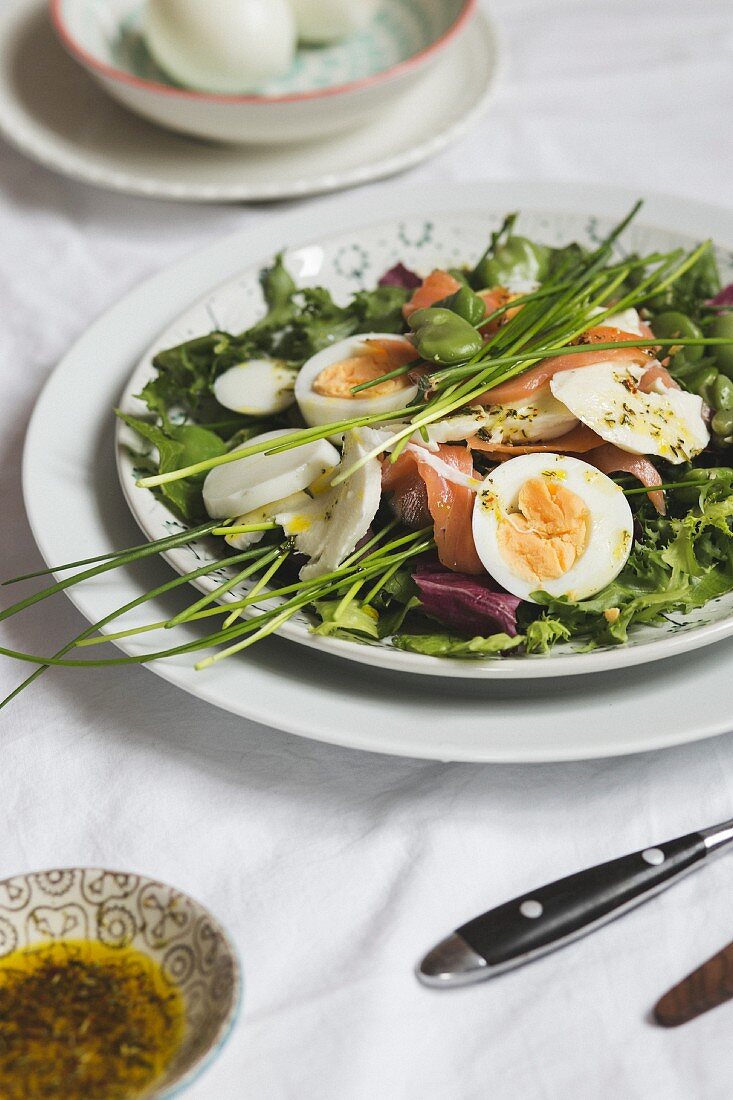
529	450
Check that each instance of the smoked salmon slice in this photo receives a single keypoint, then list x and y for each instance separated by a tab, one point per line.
577	441
524	386
438	285
450	506
612	460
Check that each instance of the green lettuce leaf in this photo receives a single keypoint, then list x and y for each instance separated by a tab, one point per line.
353	619
177	445
679	565
448	645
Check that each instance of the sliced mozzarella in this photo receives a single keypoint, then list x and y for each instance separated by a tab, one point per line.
552	523
626	320
542	418
324	408
338	518
259	387
606	398
242	486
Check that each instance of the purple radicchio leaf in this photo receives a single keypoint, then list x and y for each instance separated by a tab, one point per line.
399	275
724	297
473	605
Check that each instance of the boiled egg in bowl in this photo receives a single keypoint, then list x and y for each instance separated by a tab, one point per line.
227	47
321	21
324	385
552	523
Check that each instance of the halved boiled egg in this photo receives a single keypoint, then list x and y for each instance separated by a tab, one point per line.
251	482
258	387
323	387
552	523
326	523
607	398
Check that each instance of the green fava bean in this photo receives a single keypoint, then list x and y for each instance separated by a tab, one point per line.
517	260
460	274
466	304
443	337
673	323
722	423
722	393
722	327
702	382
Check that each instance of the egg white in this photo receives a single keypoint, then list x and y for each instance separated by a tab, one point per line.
242	486
330	20
318	409
258	387
223	46
604	396
611	524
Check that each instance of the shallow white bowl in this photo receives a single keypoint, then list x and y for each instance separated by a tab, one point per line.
328	90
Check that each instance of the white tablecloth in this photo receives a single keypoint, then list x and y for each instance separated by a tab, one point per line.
333	869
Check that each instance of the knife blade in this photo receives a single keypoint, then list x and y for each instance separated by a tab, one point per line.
542	920
705	988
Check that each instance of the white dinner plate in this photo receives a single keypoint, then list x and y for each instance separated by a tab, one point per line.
76	509
348	262
54	112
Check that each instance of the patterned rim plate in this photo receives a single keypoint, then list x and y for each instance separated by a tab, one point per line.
348	262
120	910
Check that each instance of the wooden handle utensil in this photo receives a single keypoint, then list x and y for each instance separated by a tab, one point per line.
705	988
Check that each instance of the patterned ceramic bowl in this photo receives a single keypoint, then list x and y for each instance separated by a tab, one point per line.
328	89
123	910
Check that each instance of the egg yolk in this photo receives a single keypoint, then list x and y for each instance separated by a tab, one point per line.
365	365
549	532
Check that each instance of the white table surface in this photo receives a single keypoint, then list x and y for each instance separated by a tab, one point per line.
334	869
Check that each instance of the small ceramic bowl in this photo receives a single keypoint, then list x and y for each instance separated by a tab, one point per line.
329	89
125	910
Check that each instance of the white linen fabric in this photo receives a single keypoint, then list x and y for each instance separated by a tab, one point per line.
332	869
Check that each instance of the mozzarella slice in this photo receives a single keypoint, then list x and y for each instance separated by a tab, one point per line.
242	486
259	387
337	519
626	320
552	523
542	418
606	398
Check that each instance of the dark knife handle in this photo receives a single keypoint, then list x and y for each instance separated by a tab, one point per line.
553	915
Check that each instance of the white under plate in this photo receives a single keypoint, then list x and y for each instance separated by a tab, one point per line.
75	509
348	262
52	111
